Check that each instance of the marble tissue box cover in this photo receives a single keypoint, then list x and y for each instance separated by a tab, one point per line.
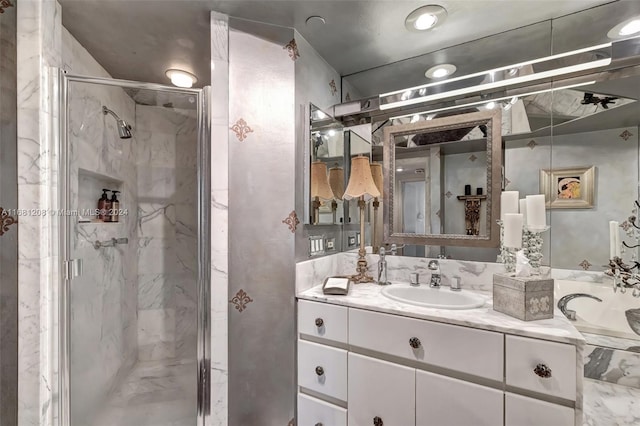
525	298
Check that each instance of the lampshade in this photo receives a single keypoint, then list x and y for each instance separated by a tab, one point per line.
361	182
319	183
336	181
376	172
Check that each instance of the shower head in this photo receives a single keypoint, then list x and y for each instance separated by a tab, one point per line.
124	129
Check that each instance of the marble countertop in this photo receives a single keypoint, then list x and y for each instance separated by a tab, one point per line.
608	404
368	296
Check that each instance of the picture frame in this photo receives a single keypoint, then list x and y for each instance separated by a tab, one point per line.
569	188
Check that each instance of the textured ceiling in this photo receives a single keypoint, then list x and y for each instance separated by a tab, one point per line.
140	39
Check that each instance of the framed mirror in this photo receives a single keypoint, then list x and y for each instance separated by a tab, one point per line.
443	180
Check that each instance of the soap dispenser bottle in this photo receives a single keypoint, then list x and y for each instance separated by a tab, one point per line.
115	206
103	206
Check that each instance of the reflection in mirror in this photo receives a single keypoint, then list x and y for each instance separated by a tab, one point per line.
440	175
327	175
355	145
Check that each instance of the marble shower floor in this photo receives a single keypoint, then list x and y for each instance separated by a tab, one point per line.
155	393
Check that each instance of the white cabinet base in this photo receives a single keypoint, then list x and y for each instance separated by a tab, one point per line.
523	411
313	412
443	401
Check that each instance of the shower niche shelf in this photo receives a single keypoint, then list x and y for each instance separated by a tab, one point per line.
90	186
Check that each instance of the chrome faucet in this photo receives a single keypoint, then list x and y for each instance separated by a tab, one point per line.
435	276
569	313
382	268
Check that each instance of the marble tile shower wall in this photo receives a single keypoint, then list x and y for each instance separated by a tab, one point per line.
166	143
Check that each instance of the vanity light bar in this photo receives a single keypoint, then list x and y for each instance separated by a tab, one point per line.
484	101
401	98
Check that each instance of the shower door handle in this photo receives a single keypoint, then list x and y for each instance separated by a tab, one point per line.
73	268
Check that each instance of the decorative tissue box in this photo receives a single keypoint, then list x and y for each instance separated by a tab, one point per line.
525	298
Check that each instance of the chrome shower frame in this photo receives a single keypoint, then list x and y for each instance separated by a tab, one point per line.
204	240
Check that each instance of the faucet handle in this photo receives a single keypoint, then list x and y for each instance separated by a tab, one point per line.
456	283
415	279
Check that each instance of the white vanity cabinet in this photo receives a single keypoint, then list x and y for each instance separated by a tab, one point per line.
383	369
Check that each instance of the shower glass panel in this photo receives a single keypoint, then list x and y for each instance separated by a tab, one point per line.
133	305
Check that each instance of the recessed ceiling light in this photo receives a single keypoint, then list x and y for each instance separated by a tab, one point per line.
440	71
625	29
317	19
181	78
425	17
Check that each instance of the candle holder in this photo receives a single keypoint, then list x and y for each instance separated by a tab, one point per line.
624	276
532	245
507	255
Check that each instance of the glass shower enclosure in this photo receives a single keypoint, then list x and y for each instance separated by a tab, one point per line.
134	303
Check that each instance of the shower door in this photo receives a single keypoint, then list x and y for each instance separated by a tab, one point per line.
134	308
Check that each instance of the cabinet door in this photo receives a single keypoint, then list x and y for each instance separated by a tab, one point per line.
314	412
443	401
523	411
380	393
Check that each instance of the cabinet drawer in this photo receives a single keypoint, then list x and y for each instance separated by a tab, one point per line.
523	355
322	369
314	412
523	411
463	349
444	401
322	320
380	389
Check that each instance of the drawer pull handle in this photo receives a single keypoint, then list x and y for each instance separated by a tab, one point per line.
319	322
543	371
319	371
414	342
377	421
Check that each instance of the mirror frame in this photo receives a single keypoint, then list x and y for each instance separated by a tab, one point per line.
493	120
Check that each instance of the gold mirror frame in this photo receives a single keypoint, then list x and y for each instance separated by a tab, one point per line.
493	120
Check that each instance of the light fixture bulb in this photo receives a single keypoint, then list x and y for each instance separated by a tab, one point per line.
399	169
332	132
425	21
630	28
181	78
490	105
425	18
415	118
440	71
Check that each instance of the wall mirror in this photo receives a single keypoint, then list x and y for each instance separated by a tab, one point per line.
442	180
327	169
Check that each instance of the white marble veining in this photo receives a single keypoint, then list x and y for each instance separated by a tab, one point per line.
38	47
610	365
368	296
607	404
632	345
154	393
219	217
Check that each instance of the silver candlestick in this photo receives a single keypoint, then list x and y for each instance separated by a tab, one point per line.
507	256
532	245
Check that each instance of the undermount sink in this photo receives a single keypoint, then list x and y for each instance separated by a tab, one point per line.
439	298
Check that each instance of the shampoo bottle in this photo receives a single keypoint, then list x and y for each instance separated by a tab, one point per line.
115	206
103	206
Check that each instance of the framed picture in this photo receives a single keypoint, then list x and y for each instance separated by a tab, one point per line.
568	188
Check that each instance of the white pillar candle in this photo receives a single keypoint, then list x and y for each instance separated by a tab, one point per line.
513	230
613	239
523	210
536	212
618	241
508	203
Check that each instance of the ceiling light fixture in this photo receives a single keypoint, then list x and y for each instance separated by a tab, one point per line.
390	100
490	105
432	112
425	18
399	169
181	78
440	71
625	29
